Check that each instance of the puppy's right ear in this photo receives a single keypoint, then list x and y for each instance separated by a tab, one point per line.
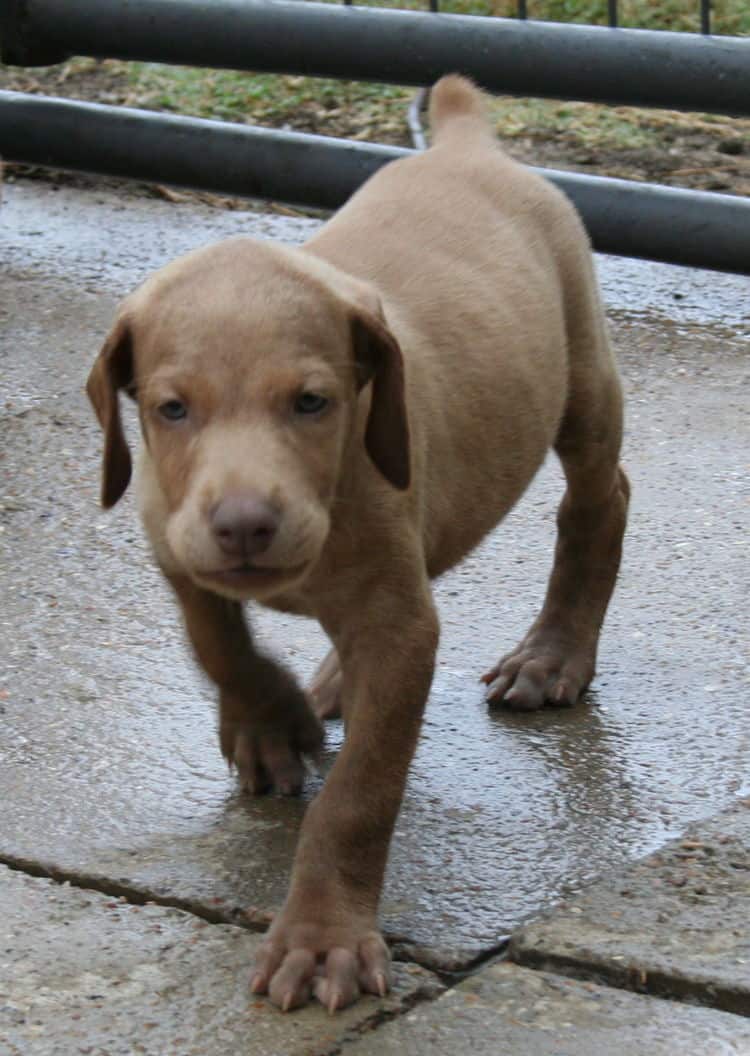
112	371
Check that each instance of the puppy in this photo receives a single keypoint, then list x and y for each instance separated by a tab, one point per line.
325	430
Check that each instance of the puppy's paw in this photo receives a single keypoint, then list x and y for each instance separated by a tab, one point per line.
335	965
267	752
541	671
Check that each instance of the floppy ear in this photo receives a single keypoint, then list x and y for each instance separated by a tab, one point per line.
378	357
113	370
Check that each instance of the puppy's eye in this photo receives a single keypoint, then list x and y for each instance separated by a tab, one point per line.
310	403
173	410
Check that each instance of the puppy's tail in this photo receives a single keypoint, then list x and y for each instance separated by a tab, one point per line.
457	105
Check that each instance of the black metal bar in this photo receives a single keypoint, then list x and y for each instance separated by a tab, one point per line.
593	63
522	10
612	13
186	152
629	219
705	17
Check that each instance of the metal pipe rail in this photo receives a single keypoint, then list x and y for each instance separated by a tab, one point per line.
628	219
505	56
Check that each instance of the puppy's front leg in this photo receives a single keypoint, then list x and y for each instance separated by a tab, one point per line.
325	940
265	722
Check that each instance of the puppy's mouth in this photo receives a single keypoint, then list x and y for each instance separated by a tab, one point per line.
246	575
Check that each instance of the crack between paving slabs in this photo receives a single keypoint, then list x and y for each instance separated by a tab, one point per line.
425	993
401	949
660	984
651	983
131	893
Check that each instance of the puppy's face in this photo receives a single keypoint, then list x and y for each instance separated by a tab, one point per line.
246	362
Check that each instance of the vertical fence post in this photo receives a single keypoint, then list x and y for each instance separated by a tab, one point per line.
705	17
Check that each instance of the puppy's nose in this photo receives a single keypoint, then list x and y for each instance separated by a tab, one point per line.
244	525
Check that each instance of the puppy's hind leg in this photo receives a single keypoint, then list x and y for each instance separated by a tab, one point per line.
555	661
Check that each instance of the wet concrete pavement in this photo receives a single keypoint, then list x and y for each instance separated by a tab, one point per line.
110	773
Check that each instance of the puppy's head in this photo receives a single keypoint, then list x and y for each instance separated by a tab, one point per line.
248	363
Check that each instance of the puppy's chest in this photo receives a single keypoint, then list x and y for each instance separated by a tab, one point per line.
325	595
295	603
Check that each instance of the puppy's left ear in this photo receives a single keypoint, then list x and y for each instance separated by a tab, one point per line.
112	371
378	358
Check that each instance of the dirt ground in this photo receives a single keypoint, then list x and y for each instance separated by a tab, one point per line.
707	152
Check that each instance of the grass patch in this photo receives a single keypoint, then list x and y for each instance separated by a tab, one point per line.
291	101
367	111
583	124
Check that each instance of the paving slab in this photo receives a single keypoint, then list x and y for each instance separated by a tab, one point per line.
110	771
85	973
507	1009
677	923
